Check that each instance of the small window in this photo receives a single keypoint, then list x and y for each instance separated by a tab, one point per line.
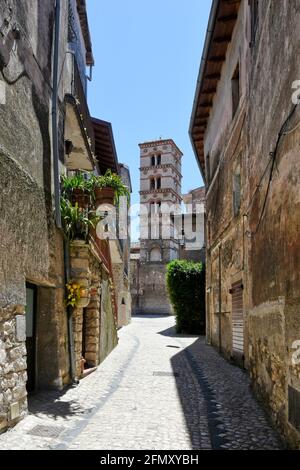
152	183
235	86
158	185
158	159
254	20
236	193
153	160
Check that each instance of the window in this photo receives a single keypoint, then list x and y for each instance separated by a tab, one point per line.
152	183
158	183
153	160
236	193
254	19
158	159
235	86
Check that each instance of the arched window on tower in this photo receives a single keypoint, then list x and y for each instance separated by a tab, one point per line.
158	183
152	183
158	159
153	160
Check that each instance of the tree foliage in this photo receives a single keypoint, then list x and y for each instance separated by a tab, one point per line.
186	287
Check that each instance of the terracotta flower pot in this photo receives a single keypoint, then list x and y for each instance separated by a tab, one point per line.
104	196
80	197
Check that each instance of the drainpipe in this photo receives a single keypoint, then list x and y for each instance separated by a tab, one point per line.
56	178
220	300
55	145
70	317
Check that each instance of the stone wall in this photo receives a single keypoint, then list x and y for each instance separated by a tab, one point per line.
259	250
150	296
31	247
123	296
275	288
13	394
94	324
108	328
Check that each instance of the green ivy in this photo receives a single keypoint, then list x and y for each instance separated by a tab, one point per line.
186	287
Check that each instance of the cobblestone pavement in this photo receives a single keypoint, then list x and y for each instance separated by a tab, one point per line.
156	391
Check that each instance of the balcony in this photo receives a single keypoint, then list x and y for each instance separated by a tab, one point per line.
79	131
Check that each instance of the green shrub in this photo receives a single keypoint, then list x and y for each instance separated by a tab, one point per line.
186	287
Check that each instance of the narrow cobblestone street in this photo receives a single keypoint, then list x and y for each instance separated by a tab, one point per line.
155	391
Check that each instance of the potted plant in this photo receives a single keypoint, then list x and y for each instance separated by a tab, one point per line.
76	295
76	221
75	188
108	188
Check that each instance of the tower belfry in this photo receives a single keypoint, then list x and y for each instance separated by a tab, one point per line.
160	186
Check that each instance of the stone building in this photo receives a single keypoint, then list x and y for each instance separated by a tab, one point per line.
121	266
160	184
192	248
135	288
244	129
46	131
124	317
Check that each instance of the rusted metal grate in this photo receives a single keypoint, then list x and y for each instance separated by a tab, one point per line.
46	431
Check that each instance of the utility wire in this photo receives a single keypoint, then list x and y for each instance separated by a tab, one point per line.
273	161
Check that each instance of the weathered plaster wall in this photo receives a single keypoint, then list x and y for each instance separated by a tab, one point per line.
108	328
274	318
31	248
262	253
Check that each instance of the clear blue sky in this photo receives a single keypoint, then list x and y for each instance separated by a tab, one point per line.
147	57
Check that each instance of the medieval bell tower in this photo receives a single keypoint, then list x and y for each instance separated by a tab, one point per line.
160	186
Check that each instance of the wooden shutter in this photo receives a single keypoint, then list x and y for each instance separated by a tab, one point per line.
237	319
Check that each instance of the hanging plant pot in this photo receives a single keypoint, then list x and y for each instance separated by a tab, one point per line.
104	196
84	299
80	197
